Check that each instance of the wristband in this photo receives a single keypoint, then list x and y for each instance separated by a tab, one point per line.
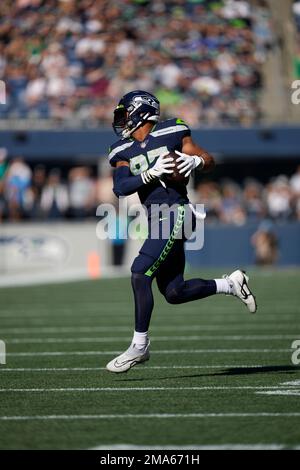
201	162
147	177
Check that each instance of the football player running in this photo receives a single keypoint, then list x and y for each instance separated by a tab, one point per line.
141	163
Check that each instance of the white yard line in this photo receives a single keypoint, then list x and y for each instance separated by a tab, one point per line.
124	308
197	447
176	316
117	339
293	383
285	392
82	369
168	351
127	329
150	416
138	389
38	311
284	389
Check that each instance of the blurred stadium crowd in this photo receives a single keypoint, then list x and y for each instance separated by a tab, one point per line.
296	9
40	194
67	61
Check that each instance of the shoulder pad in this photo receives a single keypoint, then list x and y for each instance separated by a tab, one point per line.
115	151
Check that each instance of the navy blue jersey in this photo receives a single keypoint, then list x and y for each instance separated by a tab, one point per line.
166	136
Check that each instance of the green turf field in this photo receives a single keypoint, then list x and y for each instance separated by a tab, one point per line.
217	376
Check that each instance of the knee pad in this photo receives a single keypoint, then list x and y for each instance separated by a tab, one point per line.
137	278
172	295
141	264
139	281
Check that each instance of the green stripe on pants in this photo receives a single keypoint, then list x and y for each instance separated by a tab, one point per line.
170	242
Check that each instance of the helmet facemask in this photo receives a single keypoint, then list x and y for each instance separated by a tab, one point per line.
120	119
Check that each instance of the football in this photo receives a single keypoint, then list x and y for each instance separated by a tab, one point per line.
176	176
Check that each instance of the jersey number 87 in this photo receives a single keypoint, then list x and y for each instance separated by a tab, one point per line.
142	162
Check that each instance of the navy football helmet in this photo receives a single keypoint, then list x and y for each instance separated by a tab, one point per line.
133	110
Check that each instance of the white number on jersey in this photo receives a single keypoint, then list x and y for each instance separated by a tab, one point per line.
142	162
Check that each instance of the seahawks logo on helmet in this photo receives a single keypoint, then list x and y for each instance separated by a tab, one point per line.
147	100
134	109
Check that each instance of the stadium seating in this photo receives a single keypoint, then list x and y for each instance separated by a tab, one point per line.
70	61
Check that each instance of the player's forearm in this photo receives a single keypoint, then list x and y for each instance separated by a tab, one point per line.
209	162
124	183
191	148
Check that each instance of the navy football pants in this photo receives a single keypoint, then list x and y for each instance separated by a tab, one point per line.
163	258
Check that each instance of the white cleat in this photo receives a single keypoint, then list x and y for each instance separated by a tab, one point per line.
240	288
129	359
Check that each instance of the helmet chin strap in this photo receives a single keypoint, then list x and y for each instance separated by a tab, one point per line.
126	133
